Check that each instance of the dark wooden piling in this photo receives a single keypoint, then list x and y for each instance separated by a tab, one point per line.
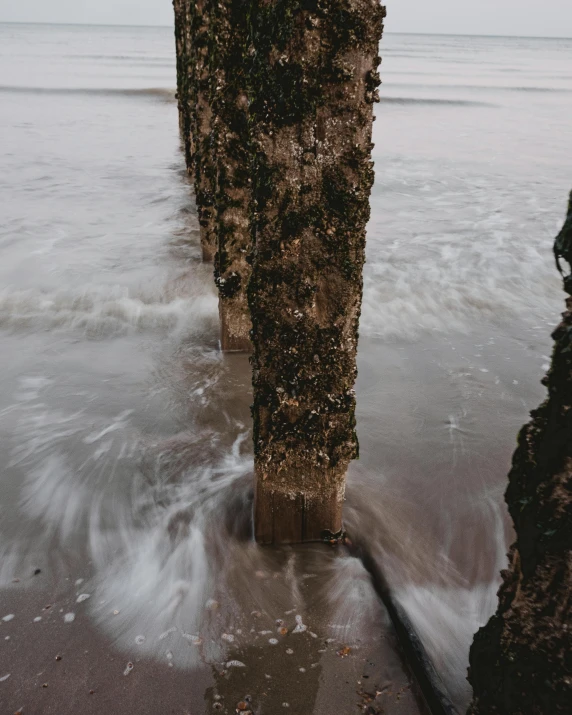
180	8
521	661
313	82
232	203
194	91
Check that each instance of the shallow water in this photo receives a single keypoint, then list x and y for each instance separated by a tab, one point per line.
125	451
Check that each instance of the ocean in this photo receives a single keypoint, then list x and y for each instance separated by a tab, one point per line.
125	451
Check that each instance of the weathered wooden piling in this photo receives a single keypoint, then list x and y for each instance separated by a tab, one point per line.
313	82
232	202
180	8
193	41
521	661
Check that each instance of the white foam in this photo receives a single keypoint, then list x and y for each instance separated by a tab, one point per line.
102	311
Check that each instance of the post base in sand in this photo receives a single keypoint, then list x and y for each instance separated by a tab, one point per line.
292	518
234	328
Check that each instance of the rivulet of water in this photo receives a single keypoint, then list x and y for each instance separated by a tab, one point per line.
125	451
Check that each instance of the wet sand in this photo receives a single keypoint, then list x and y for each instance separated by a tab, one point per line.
56	666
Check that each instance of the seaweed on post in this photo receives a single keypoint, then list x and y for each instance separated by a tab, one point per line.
521	660
232	202
313	82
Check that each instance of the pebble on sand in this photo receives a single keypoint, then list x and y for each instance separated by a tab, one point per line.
7	618
69	618
192	638
83	597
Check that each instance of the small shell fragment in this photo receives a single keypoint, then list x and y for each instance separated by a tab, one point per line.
235	664
300	627
83	597
128	668
69	618
167	633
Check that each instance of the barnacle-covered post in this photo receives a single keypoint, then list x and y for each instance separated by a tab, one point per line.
180	8
313	83
233	180
200	41
193	42
521	661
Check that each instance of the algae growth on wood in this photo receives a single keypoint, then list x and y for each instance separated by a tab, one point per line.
313	81
521	661
193	37
232	204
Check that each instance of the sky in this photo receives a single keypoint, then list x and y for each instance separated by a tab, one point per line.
549	18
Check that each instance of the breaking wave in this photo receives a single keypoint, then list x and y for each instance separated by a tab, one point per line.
103	311
167	95
439	102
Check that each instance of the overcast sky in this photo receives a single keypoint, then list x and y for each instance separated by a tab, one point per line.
544	18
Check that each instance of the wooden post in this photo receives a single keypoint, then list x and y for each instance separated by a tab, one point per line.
200	119
521	661
193	42
313	82
233	178
180	8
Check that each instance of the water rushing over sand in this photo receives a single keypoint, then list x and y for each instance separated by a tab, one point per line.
126	456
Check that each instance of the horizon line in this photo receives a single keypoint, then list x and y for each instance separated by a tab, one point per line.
389	32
